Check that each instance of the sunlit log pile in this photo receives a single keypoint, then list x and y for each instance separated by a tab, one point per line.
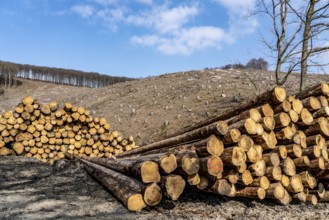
273	147
46	132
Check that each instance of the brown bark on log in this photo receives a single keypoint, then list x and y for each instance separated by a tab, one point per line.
130	193
258	168
323	112
251	192
317	139
194	179
262	182
294	150
232	137
281	120
302	161
271	159
252	113
218	128
317	90
245	142
203	184
173	186
285	106
296	184
211	165
275	191
305	118
308	180
323	100
311	103
312	152
321	126
288	166
233	156
147	171
187	162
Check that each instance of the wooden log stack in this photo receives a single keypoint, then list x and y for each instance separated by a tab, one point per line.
46	132
272	147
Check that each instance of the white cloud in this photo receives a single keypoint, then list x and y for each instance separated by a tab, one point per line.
240	22
106	2
164	19
84	11
186	41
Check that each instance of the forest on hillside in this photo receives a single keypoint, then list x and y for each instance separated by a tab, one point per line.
9	72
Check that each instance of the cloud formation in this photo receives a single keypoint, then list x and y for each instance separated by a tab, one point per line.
170	28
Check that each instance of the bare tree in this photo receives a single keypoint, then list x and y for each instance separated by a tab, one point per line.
298	27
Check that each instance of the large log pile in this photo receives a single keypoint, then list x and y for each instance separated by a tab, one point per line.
46	132
272	147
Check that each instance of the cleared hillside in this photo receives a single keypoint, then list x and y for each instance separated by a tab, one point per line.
149	109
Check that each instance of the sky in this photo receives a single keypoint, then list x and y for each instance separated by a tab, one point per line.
133	38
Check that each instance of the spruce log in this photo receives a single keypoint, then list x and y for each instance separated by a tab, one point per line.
285	106
297	106
321	126
252	113
173	186
251	192
266	110
245	142
322	112
187	162
203	184
219	128
317	139
193	179
308	180
294	150
232	137
296	184
293	116
271	159
311	103
262	182
288	166
281	120
146	171
275	191
233	156
317	90
305	118
211	165
129	193
258	168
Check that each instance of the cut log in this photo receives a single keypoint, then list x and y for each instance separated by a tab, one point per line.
285	106
296	184
281	150
323	112
286	199
312	152
252	155
232	137
258	168
323	100
285	134
245	142
293	116
251	192
305	118
247	126
203	184
311	199
271	159
129	193
247	178
234	156
297	106
288	166
211	165
299	197
262	182
281	120
321	126
317	90
173	186
275	191
316	140
220	128
308	180
294	150
147	171
268	123
311	103
285	180
194	179
252	113
302	162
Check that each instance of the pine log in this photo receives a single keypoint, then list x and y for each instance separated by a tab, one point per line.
258	168
274	96
252	113
247	178
286	199
187	162
322	112
285	134
251	192
305	118
232	137
262	182
146	171
321	126
218	128
317	139
281	150
275	191
308	180
267	140
288	166
293	116
296	184
203	184
311	103
173	186
323	100
247	126
312	152
302	162
281	120
297	106
245	142
268	123
129	192
311	199
271	159
294	150
285	180
317	90
193	179
266	110
232	175
233	156
285	106
211	165
299	197
253	155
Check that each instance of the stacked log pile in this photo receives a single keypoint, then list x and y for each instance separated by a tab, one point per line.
272	147
46	132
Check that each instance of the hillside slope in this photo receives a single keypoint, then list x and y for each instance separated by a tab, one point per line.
154	108
149	109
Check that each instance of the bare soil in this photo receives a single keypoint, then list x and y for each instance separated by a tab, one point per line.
149	109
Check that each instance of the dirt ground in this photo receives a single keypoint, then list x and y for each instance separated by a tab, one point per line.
149	109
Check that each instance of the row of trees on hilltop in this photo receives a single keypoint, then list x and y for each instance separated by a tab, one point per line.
255	64
8	71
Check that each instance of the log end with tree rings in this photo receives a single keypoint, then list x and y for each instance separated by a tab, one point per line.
150	172
280	94
152	194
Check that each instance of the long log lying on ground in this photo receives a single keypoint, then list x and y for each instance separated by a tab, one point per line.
130	193
219	128
146	171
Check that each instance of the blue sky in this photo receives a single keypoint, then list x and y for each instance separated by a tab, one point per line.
135	38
